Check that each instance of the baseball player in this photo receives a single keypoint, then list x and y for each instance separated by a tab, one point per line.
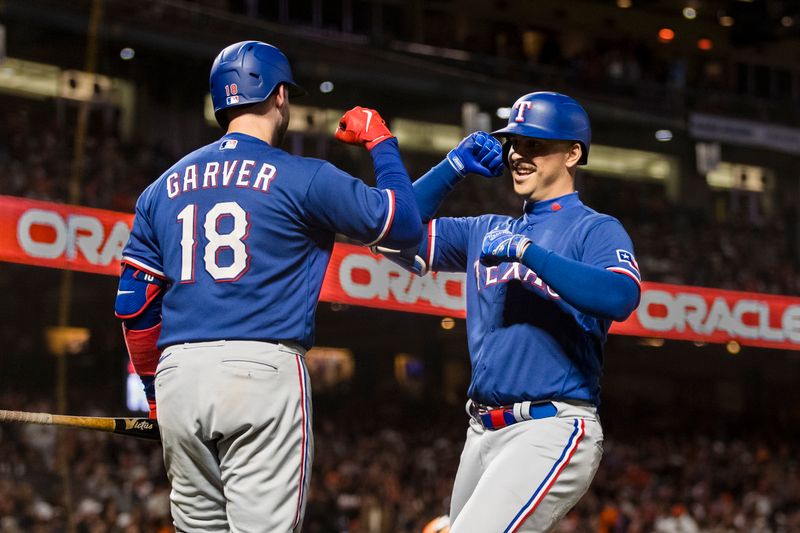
542	290
219	289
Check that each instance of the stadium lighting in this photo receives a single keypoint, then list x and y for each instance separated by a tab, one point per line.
326	86
689	13
666	35
705	44
448	323
624	4
651	342
663	136
733	347
787	21
127	53
726	20
503	112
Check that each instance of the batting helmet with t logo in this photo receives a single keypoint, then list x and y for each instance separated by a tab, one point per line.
547	115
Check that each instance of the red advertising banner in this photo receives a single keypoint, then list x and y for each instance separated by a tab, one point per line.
91	240
62	236
358	277
715	315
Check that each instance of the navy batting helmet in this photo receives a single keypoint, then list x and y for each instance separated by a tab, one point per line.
247	73
546	115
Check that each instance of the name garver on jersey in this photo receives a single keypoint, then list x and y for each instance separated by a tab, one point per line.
235	173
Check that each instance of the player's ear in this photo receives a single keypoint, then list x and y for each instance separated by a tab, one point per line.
574	155
281	96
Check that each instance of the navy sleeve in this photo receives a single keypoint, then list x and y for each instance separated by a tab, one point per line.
594	290
387	214
142	249
432	188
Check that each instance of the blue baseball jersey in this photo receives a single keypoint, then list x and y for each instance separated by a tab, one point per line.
242	233
525	342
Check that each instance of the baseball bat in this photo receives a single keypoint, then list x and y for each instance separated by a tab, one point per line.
142	428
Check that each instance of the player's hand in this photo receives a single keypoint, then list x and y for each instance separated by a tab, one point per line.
364	126
477	153
149	385
500	246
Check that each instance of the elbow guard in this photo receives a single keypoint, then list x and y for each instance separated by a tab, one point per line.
137	290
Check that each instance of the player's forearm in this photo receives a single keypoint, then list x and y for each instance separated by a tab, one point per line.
390	174
590	289
432	188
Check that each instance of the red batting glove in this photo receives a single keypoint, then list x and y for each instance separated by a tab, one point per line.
364	126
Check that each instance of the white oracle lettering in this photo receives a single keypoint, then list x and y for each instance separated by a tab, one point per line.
228	168
190	178
210	174
76	233
661	311
791	323
742	308
766	331
355	288
719	317
521	107
367	277
511	273
112	250
490	279
695	309
84	233
265	177
446	299
173	187
243	179
655	298
40	217
553	294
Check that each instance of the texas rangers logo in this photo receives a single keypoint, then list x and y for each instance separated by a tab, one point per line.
521	106
624	256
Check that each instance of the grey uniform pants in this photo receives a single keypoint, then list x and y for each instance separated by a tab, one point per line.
527	476
235	419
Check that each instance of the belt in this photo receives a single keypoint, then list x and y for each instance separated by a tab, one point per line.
499	417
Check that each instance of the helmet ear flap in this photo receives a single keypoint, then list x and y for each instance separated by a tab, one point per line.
507	152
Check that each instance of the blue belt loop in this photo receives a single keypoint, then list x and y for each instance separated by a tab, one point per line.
543	410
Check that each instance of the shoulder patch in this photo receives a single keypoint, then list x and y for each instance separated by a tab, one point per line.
624	256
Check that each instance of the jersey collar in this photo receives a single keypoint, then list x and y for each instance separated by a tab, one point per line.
239	136
553	205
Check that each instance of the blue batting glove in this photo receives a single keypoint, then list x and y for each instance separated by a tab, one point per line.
477	153
500	246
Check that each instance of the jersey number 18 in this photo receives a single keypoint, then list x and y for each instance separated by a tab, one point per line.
216	241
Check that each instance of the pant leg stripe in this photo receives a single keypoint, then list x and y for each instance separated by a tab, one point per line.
542	490
303	451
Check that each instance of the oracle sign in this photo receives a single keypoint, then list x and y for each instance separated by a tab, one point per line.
713	315
746	319
91	240
387	281
62	236
356	276
74	236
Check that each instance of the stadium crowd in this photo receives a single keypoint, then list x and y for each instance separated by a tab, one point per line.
391	473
